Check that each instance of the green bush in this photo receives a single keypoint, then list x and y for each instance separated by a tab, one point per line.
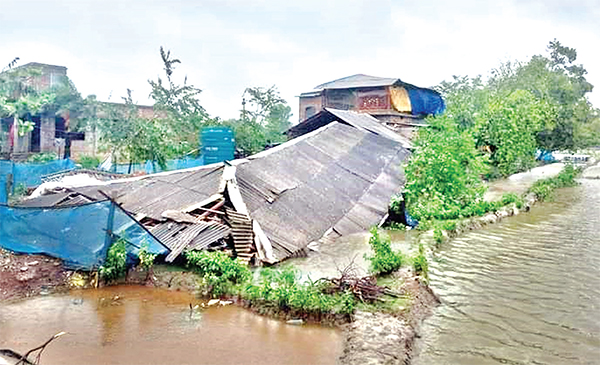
420	264
89	162
146	258
438	236
449	225
115	265
284	290
42	157
219	272
395	226
384	260
510	198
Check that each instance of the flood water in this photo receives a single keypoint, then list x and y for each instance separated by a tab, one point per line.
151	326
525	291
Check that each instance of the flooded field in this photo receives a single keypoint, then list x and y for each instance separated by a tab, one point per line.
137	325
525	291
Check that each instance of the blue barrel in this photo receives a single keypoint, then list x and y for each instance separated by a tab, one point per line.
218	144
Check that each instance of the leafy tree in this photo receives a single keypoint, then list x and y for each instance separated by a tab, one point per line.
18	97
559	82
263	123
444	172
183	113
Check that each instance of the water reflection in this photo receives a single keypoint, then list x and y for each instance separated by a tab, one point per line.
149	326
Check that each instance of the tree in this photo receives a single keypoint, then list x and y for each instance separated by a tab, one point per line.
263	123
19	99
183	114
560	83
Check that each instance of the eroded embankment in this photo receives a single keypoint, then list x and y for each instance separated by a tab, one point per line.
385	338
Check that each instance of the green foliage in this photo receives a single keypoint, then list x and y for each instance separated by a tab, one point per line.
544	188
283	289
89	162
42	157
115	265
146	258
384	260
510	198
395	226
420	264
449	225
219	272
493	129
263	124
438	236
443	174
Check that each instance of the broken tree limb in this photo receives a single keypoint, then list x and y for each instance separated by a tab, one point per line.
41	348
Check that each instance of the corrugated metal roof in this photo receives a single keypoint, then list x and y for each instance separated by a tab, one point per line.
328	174
154	194
337	176
362	121
357	81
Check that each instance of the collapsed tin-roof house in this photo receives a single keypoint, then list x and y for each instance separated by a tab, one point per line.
334	180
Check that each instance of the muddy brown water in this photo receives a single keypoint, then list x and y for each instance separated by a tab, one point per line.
152	326
525	291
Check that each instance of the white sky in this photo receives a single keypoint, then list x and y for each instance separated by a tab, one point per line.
228	45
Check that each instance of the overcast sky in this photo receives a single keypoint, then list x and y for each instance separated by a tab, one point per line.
228	45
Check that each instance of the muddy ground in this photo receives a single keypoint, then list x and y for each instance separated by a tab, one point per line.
387	338
24	276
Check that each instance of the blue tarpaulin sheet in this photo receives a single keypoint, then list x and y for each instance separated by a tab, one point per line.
150	167
28	174
77	235
426	102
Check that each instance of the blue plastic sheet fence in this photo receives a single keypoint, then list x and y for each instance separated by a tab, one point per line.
77	235
28	174
150	167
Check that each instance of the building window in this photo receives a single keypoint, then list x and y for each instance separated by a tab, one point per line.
310	111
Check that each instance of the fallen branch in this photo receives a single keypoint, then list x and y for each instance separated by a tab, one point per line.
41	348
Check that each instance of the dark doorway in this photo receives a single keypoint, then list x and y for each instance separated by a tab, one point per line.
36	133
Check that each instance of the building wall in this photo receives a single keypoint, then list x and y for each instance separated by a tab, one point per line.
308	105
47	133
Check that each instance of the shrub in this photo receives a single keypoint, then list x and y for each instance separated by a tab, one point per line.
395	226
543	189
42	157
89	162
115	265
220	273
283	289
420	264
146	258
510	198
449	225
438	236
384	260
